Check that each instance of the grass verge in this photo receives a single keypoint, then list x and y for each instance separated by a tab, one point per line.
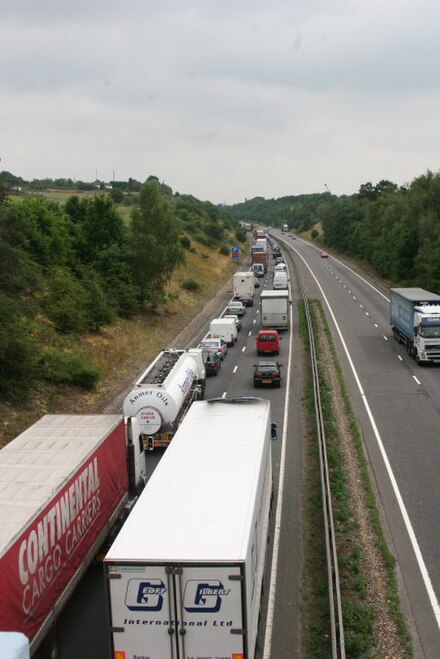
359	613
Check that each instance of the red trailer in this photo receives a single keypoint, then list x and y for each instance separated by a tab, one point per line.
63	484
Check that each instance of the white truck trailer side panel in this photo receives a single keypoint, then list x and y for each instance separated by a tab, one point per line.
274	309
197	537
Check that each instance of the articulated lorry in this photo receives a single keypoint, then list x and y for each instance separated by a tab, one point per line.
65	484
164	393
244	287
184	576
260	257
415	322
274	309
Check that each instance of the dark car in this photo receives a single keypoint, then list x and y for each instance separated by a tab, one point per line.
267	373
212	361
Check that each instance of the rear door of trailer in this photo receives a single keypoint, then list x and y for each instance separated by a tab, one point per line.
177	611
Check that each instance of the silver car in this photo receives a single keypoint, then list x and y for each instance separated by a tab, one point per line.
216	345
237	319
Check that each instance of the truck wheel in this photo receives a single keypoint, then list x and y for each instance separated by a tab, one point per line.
50	648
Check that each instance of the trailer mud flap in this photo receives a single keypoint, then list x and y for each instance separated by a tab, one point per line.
177	612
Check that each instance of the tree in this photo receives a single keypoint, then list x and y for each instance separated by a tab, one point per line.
155	242
18	350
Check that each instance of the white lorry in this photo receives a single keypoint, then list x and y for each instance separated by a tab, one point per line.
184	576
225	328
244	288
164	393
280	279
415	322
65	484
274	312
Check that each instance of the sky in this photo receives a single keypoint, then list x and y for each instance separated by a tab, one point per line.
222	99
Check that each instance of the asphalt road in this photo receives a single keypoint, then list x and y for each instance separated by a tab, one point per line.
397	403
83	627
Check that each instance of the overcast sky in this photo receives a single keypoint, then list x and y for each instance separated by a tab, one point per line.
222	99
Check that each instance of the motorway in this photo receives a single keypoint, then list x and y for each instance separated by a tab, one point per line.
397	405
83	627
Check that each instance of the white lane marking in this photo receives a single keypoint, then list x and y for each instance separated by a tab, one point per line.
385	337
376	325
224	394
366	313
418	381
250	332
235	369
361	306
278	513
243	349
399	357
412	536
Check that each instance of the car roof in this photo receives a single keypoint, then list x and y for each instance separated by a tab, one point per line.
262	364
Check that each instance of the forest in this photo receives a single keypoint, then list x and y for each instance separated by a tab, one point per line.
395	230
71	269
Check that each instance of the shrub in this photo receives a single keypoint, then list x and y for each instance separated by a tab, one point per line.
185	242
67	368
190	285
224	250
314	233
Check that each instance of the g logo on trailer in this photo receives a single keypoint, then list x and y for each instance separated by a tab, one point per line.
204	596
145	594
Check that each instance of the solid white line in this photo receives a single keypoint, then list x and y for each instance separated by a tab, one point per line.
415	545
278	514
418	381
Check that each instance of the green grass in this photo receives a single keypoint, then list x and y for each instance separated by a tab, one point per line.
357	613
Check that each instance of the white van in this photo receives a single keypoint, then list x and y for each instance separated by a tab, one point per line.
280	279
225	328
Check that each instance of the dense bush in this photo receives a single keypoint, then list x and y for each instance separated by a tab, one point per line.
190	285
67	368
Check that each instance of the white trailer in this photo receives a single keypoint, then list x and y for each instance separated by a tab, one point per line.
274	312
225	328
244	288
185	574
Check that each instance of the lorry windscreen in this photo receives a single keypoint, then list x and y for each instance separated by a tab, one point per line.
430	331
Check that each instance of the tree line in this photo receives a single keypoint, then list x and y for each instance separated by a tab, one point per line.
70	270
396	230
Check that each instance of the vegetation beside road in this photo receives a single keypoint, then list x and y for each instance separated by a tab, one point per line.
373	623
84	295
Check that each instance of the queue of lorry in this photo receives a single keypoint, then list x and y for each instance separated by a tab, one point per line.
70	484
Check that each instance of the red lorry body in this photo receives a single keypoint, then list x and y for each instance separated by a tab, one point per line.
54	545
261	257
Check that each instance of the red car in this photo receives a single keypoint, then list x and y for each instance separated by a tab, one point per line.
324	255
268	342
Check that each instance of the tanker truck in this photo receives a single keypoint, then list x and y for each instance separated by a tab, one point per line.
164	393
67	484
